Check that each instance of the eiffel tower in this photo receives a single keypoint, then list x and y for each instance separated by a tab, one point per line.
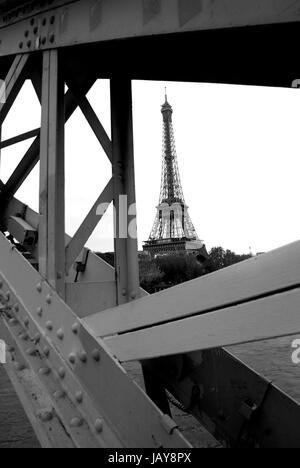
173	230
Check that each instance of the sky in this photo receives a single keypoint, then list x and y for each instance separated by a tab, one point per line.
238	152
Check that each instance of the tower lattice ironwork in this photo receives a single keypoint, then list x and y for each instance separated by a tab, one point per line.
172	227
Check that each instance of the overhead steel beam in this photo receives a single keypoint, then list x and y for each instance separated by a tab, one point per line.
73	23
269	27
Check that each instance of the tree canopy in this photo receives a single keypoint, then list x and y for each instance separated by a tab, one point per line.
169	270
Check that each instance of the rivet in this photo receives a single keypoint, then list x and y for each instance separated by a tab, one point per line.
29	44
19	366
44	371
39	287
79	397
24	336
21	45
75	328
124	292
48	299
39	311
61	372
72	358
46	351
52	38
59	394
96	355
46	416
37	338
37	42
60	334
76	422
99	425
49	326
83	356
133	295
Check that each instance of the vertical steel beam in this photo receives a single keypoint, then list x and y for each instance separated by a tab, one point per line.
52	180
126	259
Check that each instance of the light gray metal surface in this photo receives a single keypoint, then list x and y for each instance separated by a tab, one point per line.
85	388
75	359
81	22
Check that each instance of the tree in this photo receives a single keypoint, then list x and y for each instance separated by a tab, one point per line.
219	258
179	268
150	275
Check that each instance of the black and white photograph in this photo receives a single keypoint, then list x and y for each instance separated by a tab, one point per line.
149	227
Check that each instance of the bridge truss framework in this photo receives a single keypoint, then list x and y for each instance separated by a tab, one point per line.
70	329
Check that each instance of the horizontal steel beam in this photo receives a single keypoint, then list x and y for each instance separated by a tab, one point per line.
270	317
80	22
246	281
118	32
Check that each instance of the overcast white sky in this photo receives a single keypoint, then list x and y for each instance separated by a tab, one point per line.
239	159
